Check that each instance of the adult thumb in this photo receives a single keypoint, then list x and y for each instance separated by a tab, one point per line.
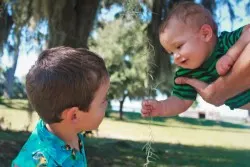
197	84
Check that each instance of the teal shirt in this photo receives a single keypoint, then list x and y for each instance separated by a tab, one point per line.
207	72
43	148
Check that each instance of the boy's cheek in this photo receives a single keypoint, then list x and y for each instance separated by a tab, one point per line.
105	104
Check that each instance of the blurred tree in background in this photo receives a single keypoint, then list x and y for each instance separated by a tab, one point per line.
68	23
125	50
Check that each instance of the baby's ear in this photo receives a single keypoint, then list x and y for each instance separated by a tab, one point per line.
206	32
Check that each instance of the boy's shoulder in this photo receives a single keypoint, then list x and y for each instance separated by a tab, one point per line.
33	153
36	158
43	148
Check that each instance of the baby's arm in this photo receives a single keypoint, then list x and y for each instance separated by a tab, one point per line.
225	63
169	107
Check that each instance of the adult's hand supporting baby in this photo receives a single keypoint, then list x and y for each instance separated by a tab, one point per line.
206	91
236	81
227	61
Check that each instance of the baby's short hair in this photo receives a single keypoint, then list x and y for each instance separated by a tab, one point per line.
190	13
62	78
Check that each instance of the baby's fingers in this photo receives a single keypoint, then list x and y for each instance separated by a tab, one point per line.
149	104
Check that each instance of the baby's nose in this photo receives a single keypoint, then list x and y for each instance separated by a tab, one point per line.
176	56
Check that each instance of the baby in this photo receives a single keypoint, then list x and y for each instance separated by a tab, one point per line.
189	33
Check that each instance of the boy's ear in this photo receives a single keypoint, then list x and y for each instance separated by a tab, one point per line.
70	114
206	32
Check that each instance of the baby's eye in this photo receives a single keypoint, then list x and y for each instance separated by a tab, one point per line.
179	46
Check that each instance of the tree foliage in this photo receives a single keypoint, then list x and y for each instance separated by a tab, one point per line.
124	47
68	23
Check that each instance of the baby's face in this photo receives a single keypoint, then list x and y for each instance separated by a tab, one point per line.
184	42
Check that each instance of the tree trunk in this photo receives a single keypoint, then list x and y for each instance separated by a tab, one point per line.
6	23
10	73
161	63
209	4
72	27
8	84
173	2
10	78
121	106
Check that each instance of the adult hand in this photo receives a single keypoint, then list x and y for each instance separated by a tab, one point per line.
206	91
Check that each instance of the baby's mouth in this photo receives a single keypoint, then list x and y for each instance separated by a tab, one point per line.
183	60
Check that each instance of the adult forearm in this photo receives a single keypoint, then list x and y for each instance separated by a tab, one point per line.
238	80
235	51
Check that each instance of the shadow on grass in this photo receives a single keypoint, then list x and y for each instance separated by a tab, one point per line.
10	144
19	104
110	152
104	152
136	117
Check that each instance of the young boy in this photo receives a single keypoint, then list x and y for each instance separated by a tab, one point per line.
189	34
67	88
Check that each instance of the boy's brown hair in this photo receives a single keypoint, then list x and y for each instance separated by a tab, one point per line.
64	77
190	13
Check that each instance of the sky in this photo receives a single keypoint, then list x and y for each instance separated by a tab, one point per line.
27	60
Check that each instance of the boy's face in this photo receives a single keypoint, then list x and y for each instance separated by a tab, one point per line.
184	41
91	120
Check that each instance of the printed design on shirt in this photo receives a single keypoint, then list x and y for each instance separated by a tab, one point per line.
73	150
40	159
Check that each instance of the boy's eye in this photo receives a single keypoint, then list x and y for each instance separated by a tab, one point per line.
104	100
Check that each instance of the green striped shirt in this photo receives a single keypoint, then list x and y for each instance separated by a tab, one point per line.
207	72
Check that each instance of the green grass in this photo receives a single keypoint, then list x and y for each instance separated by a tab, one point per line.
178	121
111	152
177	141
179	131
104	152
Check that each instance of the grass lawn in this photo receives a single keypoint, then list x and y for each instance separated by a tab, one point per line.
177	141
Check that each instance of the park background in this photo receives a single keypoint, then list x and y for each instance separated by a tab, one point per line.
125	34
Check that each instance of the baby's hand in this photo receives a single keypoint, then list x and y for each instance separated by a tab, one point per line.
224	64
152	108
